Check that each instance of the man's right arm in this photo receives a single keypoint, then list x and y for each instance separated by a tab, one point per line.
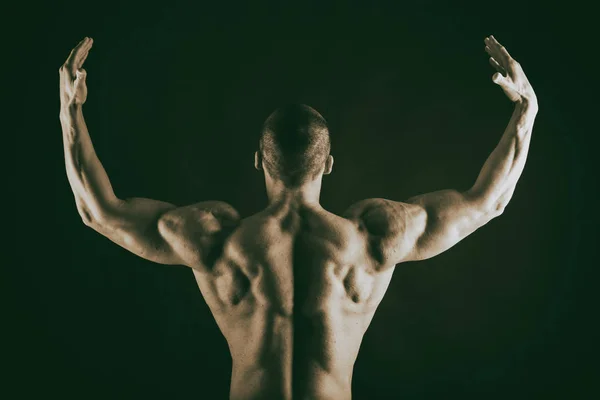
429	224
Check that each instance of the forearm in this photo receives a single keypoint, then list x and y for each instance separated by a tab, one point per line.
498	177
88	179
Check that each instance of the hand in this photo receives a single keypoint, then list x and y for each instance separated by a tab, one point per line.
510	75
73	90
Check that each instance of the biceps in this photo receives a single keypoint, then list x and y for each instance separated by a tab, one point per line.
134	225
148	245
450	217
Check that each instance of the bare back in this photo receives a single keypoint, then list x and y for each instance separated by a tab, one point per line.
294	287
293	290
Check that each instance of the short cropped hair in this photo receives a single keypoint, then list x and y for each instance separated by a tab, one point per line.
295	144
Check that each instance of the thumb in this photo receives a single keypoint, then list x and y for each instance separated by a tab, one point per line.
81	74
499	79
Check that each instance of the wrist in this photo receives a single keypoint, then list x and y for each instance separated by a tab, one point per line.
527	104
69	110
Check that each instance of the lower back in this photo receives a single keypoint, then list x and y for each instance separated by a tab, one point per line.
296	332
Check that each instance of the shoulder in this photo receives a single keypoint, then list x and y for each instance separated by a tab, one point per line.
205	211
391	226
384	217
196	231
204	218
218	209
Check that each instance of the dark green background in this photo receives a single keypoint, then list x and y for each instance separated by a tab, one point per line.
177	94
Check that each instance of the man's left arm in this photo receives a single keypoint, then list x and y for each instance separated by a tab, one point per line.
154	230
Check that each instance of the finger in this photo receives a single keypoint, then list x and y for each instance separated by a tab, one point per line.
502	49
492	50
84	53
74	52
495	60
497	66
73	62
503	55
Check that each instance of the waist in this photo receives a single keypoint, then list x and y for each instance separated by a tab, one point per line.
278	382
254	382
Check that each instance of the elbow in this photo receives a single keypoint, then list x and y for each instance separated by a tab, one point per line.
500	204
487	213
85	214
89	219
496	210
491	208
92	220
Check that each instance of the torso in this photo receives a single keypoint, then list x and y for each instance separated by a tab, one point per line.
293	289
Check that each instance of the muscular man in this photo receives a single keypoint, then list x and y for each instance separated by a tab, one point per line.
294	287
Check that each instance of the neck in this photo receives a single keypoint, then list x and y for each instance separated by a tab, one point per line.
306	194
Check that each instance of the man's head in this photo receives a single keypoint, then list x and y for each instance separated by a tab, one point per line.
294	145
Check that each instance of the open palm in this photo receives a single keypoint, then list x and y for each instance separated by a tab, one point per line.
73	89
510	76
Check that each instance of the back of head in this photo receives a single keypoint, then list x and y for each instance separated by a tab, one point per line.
295	144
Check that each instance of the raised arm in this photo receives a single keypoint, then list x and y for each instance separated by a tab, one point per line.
154	230
427	225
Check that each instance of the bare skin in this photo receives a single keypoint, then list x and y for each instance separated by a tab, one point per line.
294	288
